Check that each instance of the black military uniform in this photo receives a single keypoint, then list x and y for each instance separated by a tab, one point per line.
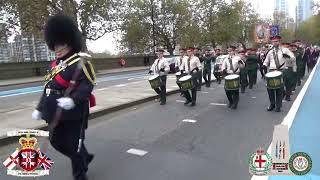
73	119
243	72
217	74
252	65
207	68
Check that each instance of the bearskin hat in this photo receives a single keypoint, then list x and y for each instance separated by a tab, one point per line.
61	29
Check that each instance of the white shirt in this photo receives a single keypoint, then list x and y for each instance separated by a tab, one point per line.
235	62
177	62
194	63
270	59
159	64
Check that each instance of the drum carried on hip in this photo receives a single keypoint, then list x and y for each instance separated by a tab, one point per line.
232	82
179	75
186	82
274	79
155	81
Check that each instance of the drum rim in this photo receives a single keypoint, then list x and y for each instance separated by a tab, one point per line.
185	77
178	73
153	76
232	75
273	72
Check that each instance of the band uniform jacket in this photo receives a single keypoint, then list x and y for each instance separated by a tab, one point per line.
160	64
226	65
80	95
194	63
271	62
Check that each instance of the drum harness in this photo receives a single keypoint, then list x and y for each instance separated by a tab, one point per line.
231	65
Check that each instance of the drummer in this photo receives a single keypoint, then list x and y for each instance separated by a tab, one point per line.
276	61
161	67
230	66
191	65
243	71
178	63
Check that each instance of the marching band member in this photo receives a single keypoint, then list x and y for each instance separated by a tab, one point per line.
198	53
299	61
216	73
178	64
207	59
191	65
243	71
276	60
230	66
252	65
161	67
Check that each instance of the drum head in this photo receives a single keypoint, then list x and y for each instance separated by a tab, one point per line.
185	77
274	74
178	74
153	77
232	76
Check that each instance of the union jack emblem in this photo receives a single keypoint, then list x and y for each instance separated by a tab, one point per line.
44	161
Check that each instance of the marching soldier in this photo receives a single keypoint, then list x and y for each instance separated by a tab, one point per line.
276	60
197	53
161	67
299	61
243	72
216	73
65	102
293	48
230	66
252	65
207	67
191	65
178	64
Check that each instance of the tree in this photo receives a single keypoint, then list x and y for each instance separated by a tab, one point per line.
95	17
310	30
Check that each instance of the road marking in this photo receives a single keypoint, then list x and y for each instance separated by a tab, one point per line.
120	85
102	89
131	79
180	101
289	118
204	92
189	120
254	97
218	104
137	152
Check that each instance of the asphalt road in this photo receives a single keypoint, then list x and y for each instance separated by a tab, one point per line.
16	97
216	146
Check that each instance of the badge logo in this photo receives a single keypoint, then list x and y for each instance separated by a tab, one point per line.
260	163
26	161
300	163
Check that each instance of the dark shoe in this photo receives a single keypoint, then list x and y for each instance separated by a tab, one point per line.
229	105
89	158
187	102
243	90
81	177
271	107
250	87
219	82
162	103
288	98
193	104
299	83
278	109
234	106
207	85
199	89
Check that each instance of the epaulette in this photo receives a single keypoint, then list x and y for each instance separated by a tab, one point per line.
85	59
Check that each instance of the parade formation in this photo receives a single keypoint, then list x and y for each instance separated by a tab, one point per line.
70	80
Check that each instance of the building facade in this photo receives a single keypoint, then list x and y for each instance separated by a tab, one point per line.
304	10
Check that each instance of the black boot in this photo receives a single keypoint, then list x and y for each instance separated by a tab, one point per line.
271	107
278	109
187	102
288	98
193	104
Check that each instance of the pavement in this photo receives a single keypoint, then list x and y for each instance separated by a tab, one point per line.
205	142
12	82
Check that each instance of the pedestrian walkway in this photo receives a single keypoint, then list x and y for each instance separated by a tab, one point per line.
40	79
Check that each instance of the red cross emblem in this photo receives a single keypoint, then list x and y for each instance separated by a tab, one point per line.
259	160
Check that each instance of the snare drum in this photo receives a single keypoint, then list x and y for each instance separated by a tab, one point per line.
186	82
155	81
232	82
274	80
178	75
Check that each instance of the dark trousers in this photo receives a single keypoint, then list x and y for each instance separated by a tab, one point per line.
162	89
65	138
207	76
233	96
252	75
276	96
199	83
243	80
218	76
193	97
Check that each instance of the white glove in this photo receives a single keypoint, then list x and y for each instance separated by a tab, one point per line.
66	103
36	115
